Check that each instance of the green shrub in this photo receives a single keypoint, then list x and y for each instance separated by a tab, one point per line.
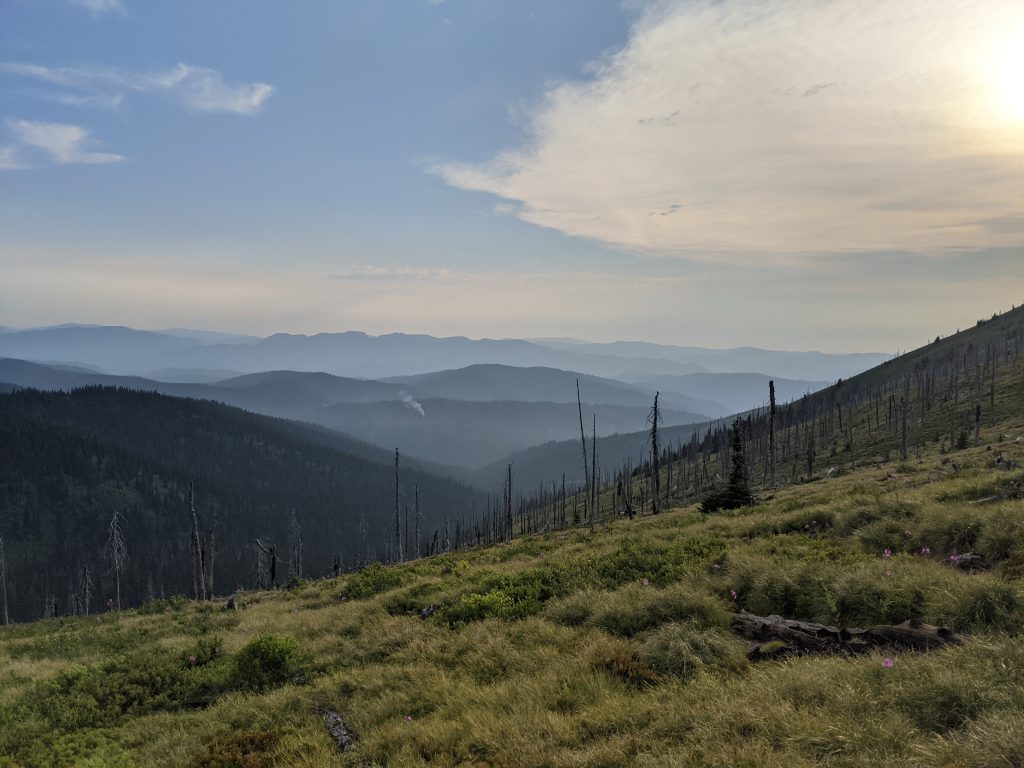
172	604
618	658
266	661
104	695
575	610
980	602
681	649
793	589
412	600
867	596
1002	537
512	596
634	609
632	562
887	533
249	749
810	522
947	530
373	580
205	651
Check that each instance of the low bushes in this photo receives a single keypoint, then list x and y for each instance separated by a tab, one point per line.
636	609
266	661
104	695
372	580
682	649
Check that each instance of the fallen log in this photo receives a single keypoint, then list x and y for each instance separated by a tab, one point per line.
778	637
343	736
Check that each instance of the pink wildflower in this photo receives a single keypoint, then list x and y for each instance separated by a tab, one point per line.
646	583
926	551
716	566
408	718
733	593
887	553
192	660
888	662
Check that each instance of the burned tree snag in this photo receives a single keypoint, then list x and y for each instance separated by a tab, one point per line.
198	572
652	418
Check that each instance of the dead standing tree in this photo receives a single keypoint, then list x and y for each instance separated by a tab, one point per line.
419	522
266	563
198	571
583	442
294	547
653	418
117	553
398	518
3	580
771	435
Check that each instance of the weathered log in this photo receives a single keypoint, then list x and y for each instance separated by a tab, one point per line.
778	637
343	736
968	561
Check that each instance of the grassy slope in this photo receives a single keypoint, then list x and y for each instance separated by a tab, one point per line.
552	650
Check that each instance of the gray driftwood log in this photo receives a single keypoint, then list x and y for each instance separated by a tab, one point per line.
778	637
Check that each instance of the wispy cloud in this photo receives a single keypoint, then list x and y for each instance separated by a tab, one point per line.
197	88
392	273
60	143
99	6
777	126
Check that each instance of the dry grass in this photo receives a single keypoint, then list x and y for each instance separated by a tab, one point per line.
551	651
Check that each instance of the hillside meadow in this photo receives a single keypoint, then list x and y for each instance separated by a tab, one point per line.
577	649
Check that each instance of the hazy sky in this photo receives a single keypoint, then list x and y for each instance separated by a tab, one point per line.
784	173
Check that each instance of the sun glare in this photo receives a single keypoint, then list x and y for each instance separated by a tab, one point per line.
1008	74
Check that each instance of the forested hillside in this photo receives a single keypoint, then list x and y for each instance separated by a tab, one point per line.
68	461
628	645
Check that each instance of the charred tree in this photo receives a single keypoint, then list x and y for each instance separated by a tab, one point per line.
117	553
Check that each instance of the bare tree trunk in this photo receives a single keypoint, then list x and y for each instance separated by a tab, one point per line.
583	439
208	551
3	580
771	435
508	504
398	520
117	552
653	418
903	429
593	475
198	580
419	519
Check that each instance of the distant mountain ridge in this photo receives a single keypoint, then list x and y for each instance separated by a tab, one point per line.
735	391
445	430
127	351
775	363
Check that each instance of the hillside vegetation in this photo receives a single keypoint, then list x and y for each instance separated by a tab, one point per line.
578	649
67	460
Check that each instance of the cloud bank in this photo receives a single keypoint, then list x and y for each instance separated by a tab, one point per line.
779	126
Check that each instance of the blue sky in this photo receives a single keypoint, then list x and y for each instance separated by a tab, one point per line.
669	171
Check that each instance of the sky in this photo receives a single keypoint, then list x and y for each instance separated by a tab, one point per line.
793	174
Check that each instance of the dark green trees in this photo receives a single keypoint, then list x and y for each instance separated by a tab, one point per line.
736	493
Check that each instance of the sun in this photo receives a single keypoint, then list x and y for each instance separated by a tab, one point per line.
1008	74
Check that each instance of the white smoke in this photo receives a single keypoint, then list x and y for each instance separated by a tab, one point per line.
408	400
